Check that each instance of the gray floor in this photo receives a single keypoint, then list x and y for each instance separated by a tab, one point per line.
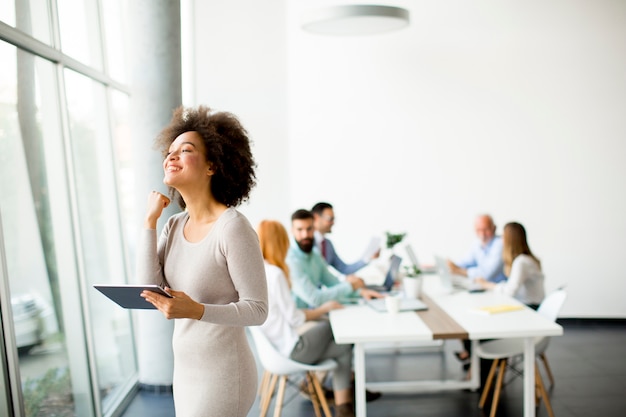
588	362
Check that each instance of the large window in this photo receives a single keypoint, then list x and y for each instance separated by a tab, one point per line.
99	225
30	121
68	350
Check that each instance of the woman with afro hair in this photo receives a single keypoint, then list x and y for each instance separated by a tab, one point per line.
208	258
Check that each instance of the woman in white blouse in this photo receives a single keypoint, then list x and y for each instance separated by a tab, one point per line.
525	279
295	332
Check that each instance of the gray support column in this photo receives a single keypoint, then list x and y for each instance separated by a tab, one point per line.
156	91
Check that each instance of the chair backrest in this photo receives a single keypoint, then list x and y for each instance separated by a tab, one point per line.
549	308
275	362
552	303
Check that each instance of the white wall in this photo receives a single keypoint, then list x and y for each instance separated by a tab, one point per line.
514	108
240	66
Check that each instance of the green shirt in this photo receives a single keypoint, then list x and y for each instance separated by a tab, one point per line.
312	282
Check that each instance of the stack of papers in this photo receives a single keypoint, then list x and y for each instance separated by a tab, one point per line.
498	308
372	247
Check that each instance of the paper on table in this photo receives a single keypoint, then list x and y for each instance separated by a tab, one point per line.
372	247
497	308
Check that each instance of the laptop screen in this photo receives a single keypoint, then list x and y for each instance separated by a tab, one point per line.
412	256
392	272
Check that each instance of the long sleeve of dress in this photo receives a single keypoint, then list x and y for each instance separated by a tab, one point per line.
148	268
224	271
245	266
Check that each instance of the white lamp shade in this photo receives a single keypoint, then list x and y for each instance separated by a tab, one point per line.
355	19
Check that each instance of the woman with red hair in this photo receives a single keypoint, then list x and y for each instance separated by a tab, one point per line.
302	335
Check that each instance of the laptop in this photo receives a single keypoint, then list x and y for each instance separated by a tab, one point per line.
390	277
413	259
411	253
406	304
452	281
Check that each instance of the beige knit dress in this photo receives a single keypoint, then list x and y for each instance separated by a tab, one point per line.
214	368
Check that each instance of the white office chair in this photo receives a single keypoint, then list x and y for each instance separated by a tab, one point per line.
279	368
502	349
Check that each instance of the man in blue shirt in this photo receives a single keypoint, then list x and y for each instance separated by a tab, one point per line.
485	257
323	221
483	261
312	282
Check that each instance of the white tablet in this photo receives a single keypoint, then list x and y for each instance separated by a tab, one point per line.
128	296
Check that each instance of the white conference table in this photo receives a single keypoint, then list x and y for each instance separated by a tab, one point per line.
449	316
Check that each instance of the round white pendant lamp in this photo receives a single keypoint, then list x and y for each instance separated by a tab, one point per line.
355	19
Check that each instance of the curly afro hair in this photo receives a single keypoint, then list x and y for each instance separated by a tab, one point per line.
227	148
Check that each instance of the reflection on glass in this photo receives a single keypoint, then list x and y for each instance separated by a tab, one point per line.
27	232
100	237
79	27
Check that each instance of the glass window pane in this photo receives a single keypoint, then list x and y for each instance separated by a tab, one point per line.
4	401
100	236
120	103
30	16
80	31
28	233
7	12
116	38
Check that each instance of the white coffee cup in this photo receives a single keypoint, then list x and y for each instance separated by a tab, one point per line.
393	304
412	286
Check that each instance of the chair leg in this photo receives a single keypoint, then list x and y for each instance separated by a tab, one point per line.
542	391
487	387
321	376
281	395
544	359
496	394
310	377
264	381
266	398
320	395
537	395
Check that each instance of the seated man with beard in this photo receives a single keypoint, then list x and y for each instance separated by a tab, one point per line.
313	283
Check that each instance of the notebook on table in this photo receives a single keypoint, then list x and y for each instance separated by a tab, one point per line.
497	309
